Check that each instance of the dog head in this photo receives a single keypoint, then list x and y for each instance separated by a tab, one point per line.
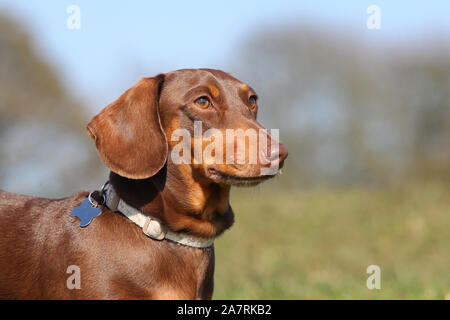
202	119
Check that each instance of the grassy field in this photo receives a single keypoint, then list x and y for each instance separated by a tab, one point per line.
317	244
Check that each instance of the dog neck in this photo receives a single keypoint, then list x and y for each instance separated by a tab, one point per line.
203	210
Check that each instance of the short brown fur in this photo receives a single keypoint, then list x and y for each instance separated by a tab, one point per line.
40	240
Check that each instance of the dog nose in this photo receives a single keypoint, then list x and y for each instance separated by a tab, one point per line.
282	153
277	152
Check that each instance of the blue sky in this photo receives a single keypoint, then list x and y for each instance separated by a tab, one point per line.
120	41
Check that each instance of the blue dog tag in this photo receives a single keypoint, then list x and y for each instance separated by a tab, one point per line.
85	212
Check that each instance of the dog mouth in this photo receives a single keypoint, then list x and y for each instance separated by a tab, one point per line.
225	178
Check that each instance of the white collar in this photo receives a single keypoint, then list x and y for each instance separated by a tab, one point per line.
152	227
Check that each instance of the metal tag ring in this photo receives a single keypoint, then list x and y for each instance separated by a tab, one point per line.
93	203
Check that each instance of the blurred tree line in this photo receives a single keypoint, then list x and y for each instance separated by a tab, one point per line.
44	148
351	111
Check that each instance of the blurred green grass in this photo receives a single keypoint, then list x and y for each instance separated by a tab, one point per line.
317	244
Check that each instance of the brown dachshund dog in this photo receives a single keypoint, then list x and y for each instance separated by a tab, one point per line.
40	242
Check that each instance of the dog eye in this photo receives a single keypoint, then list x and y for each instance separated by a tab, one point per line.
202	102
252	102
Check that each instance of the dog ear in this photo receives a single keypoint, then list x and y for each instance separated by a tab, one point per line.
128	133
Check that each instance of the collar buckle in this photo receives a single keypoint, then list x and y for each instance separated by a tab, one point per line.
154	228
